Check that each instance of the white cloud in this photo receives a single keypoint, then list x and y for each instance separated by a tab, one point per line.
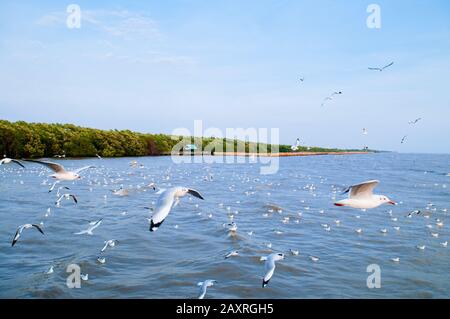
118	23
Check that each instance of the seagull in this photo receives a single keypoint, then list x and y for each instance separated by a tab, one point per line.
359	230
396	259
364	131
415	121
59	188
361	196
98	156
89	231
314	259
444	244
121	192
382	68
330	98
50	271
168	199
294	252
84	277
383	231
109	243
232	227
205	285
417	212
270	266
421	247
67	197
20	230
60	172
232	254
296	145
302	79
101	260
403	139
7	160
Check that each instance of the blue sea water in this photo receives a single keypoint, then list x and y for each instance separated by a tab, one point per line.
191	244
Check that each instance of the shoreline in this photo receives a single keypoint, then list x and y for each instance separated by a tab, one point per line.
274	154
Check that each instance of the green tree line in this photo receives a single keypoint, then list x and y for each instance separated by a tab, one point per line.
35	140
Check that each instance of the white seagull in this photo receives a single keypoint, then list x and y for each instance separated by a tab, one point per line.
109	243
7	160
67	197
205	285
60	172
296	145
20	230
361	196
168	199
89	231
382	68
232	254
270	266
403	139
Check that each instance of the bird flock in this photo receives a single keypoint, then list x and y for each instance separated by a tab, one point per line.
360	197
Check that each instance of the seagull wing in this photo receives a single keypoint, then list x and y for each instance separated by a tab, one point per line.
18	163
83	168
38	228
375	69
195	193
363	190
16	236
386	66
74	199
57	168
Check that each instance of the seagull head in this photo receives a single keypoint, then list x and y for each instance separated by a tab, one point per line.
386	200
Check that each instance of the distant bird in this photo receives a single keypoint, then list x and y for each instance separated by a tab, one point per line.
20	230
270	266
421	247
302	79
361	196
7	160
166	201
314	259
84	277
121	192
364	131
204	285
403	139
50	271
60	172
381	68
296	145
59	189
444	244
66	197
109	243
294	252
396	259
415	121
89	231
330	98
232	254
98	156
101	260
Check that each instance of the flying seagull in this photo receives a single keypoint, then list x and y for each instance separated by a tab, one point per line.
205	285
93	225
403	139
361	196
330	98
296	145
60	172
415	121
7	160
382	68
168	199
270	266
109	243
20	230
67	197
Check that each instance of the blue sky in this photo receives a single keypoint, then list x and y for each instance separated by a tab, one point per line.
155	66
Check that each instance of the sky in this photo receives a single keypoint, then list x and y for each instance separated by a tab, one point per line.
155	66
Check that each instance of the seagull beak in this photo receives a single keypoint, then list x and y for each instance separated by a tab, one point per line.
392	202
338	204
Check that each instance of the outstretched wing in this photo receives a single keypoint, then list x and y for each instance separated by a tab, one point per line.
386	66
57	168
83	168
38	228
375	69
18	163
194	193
362	190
